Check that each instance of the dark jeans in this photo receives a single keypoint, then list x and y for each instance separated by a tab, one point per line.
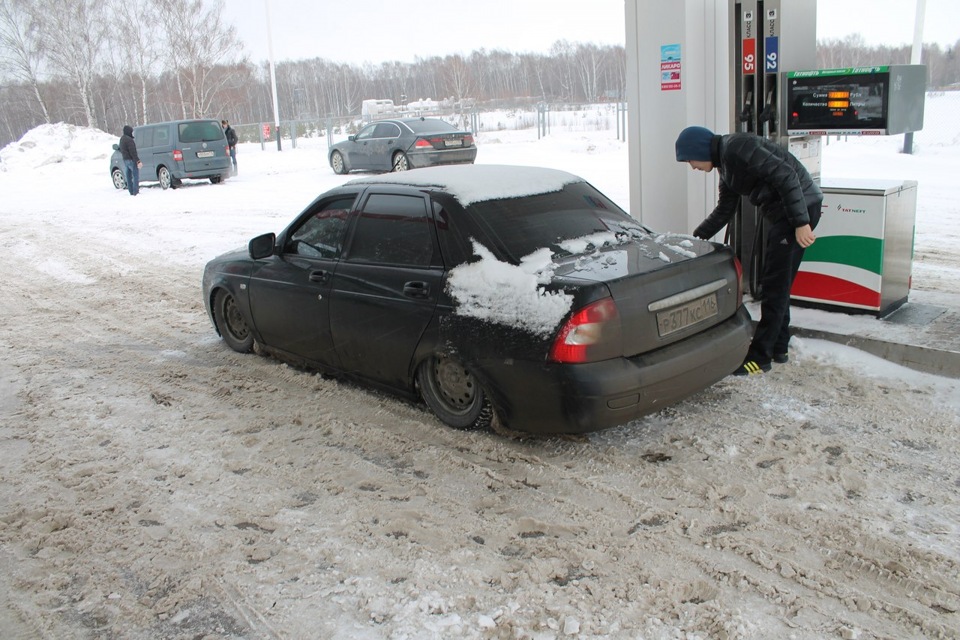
132	176
781	261
233	157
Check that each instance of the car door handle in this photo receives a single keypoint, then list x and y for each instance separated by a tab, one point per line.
319	276
416	289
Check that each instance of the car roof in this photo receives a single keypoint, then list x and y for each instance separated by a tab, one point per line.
470	183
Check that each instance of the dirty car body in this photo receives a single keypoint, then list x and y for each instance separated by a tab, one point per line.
516	295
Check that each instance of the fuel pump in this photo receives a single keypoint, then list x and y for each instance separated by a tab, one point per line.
762	44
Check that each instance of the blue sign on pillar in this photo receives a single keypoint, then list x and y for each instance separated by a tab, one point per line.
772	48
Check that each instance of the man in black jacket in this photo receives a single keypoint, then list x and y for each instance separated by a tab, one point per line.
131	161
231	142
789	200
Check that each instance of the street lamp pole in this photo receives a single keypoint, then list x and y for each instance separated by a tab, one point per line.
273	76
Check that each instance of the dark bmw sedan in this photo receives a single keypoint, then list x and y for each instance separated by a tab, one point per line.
516	296
406	143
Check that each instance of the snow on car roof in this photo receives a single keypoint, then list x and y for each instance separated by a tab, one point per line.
470	183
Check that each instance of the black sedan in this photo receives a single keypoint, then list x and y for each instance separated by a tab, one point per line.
512	294
405	143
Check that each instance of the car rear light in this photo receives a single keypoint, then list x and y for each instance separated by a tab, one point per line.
736	262
178	155
468	141
422	144
591	334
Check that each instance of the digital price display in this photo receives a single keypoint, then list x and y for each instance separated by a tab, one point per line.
852	100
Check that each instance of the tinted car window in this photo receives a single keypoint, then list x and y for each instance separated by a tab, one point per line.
386	130
523	225
161	136
200	132
321	235
430	126
393	229
144	137
366	132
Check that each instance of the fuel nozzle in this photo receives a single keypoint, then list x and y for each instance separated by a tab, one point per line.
768	116
746	114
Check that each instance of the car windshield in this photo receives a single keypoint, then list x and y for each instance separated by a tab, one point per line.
430	126
524	225
201	132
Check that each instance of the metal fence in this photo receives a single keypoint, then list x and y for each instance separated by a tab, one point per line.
610	116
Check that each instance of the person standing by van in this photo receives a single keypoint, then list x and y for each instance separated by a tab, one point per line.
231	142
131	161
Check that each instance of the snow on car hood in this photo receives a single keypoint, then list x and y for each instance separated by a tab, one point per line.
470	183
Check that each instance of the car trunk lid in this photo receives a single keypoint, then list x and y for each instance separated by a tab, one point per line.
666	287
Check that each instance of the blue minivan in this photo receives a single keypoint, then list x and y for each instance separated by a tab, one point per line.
175	151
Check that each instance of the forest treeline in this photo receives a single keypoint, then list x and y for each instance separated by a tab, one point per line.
107	63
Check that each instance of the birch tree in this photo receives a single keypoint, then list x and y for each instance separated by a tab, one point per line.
72	35
198	41
21	48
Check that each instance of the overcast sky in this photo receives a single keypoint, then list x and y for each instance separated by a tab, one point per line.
391	30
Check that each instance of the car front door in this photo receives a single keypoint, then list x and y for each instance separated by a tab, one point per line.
386	287
358	152
383	145
289	291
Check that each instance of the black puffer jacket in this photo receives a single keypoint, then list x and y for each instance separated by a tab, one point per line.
128	148
773	179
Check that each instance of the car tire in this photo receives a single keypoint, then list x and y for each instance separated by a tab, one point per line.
216	179
338	163
454	394
400	161
119	182
231	323
163	175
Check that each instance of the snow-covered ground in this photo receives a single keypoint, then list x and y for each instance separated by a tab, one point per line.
154	484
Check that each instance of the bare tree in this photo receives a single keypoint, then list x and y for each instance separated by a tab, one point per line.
458	76
72	34
21	50
198	40
137	44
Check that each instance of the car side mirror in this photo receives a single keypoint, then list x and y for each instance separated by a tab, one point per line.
352	138
116	147
262	246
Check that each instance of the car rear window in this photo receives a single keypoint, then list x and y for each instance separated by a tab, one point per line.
524	225
430	126
200	131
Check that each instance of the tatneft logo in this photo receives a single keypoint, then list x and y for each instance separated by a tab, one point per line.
843	209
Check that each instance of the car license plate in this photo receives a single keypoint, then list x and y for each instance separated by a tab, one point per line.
453	143
686	315
205	154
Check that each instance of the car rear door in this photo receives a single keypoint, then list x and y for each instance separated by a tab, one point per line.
289	292
202	144
386	286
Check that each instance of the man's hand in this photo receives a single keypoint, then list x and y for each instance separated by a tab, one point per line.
805	236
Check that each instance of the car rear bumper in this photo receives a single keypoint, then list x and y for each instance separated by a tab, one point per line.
554	398
418	160
218	167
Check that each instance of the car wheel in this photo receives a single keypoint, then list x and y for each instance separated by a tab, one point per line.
163	175
454	394
400	162
119	182
233	327
338	164
216	179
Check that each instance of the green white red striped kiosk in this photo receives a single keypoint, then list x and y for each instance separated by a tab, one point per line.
862	259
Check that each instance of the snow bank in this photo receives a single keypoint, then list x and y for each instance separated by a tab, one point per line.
55	143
